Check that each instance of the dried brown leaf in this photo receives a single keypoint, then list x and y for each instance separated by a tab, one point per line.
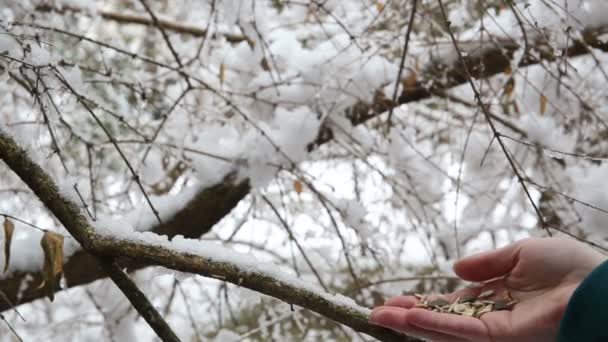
543	104
52	245
9	227
410	81
509	86
297	186
222	73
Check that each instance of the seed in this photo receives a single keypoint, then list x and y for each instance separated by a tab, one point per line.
439	302
469	312
485	294
486	309
460	308
477	304
467	298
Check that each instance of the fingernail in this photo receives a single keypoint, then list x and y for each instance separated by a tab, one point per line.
374	315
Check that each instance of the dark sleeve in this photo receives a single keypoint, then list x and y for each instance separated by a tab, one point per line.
586	315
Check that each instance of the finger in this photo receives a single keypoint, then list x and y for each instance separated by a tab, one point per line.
464	327
397	319
496	286
488	265
408	302
405	302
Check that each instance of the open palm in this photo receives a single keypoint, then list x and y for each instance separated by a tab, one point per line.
540	274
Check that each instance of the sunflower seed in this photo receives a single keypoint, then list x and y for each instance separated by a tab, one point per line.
486	309
468	298
439	302
485	294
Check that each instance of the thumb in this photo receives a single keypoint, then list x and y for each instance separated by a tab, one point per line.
488	265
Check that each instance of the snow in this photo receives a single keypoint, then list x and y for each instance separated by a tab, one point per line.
226	336
353	213
590	188
9	45
142	218
152	171
24	257
545	131
290	133
73	76
39	55
246	263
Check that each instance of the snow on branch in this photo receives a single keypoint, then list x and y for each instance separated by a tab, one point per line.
215	261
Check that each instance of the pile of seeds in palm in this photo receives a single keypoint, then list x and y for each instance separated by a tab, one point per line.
473	306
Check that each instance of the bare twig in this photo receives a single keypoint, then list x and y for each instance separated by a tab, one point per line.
402	63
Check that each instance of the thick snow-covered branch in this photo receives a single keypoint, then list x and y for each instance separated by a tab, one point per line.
214	261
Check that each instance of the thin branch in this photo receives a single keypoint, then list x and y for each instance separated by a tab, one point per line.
297	243
401	63
138	300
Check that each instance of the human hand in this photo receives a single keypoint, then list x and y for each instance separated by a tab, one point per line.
540	273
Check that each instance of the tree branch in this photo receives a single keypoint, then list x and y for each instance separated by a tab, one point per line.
282	288
127	18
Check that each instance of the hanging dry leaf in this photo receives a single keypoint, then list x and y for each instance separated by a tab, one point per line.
508	70
543	104
508	89
410	81
379	6
297	186
9	227
52	245
222	73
